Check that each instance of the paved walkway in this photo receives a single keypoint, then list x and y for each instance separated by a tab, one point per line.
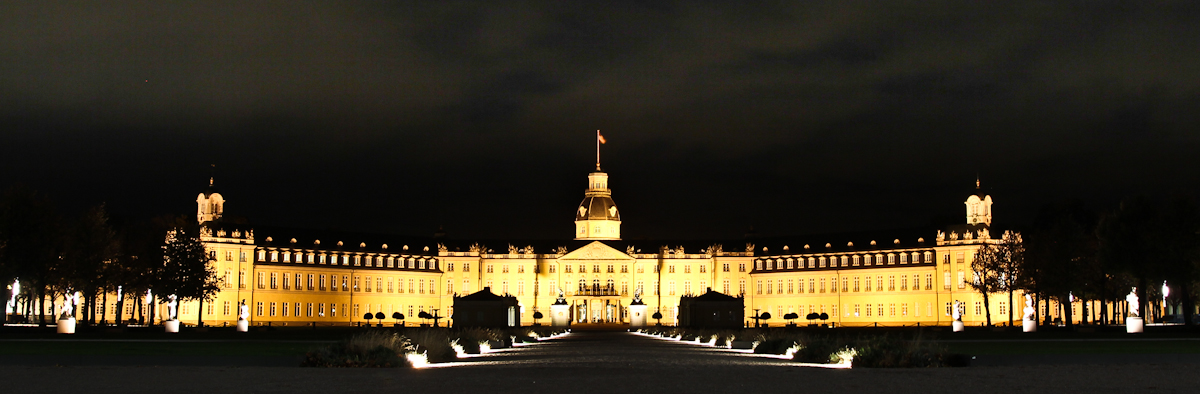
608	362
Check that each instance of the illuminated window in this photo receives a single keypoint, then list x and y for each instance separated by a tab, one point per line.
261	281
671	269
274	280
855	283
489	268
687	269
789	286
224	308
703	268
844	283
742	267
768	287
822	285
961	280
725	267
389	285
259	309
978	308
611	269
760	287
503	269
742	286
812	285
624	268
671	287
891	309
868	310
272	309
379	284
879	283
466	267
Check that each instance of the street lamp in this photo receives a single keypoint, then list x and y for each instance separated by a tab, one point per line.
1165	291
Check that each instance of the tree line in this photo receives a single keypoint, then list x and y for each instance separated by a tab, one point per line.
1071	253
49	256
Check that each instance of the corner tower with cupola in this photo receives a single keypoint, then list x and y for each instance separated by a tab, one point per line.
210	205
979	207
597	216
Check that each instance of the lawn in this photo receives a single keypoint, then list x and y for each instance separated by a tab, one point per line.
1008	347
130	348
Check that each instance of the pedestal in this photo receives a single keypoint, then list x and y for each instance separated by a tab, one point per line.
66	326
1029	325
171	325
959	326
560	315
243	326
1134	325
637	316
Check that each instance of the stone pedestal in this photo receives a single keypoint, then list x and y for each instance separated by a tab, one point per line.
1134	325
66	326
243	326
560	315
171	325
637	316
959	326
1029	325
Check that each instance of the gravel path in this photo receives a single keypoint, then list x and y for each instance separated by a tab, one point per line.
608	362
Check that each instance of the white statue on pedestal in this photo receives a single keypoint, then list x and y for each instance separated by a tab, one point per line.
1029	311
68	308
957	312
243	311
1132	299
172	302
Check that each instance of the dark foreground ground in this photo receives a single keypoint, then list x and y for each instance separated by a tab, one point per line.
596	362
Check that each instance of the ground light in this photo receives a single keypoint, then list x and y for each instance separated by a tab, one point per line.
845	356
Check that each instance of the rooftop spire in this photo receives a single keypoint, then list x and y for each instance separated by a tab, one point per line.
212	174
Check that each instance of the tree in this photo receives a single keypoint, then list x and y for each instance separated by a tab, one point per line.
536	316
1059	251
986	268
32	239
1011	254
398	316
791	317
812	316
380	316
187	272
367	316
89	261
1127	242
657	316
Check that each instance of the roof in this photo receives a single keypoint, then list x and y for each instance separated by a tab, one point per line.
921	237
597	208
483	295
714	296
272	236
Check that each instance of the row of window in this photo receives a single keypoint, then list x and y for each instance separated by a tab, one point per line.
377	261
595	268
323	282
856	260
817	285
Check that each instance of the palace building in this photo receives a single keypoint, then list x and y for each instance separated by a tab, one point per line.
291	276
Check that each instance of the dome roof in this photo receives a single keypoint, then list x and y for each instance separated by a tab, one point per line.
597	208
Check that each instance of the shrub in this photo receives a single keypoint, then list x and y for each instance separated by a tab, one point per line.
434	343
372	349
887	351
820	349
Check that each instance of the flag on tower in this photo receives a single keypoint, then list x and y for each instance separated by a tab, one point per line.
600	137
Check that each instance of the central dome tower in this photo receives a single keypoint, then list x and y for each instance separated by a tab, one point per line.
597	216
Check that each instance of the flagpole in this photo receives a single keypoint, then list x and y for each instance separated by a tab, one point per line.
597	150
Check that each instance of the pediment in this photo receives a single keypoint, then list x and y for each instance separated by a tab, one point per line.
596	251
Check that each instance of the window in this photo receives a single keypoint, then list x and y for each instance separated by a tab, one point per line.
287	281
703	268
822	285
891	309
725	286
389	282
504	268
891	282
959	258
903	282
725	267
670	269
845	283
274	280
242	279
224	308
961	279
948	308
261	280
856	284
812	285
760	288
768	287
322	282
596	268
946	280
489	268
466	285
742	267
671	287
879	283
552	267
978	308
259	309
656	287
904	258
880	309
687	287
449	286
928	281
742	286
857	309
687	268
449	266
891	258
272	309
421	287
567	268
868	310
226	279
789	286
466	267
856	262
610	269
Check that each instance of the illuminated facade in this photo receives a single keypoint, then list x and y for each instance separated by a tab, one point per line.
300	277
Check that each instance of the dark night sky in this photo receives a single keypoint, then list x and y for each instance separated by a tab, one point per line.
397	117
